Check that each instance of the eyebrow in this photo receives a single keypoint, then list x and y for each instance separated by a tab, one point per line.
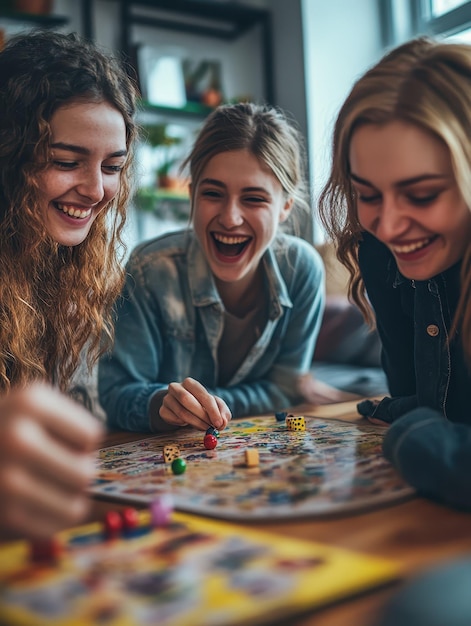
81	150
401	183
218	183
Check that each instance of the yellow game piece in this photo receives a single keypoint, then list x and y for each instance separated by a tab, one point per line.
171	452
296	423
251	457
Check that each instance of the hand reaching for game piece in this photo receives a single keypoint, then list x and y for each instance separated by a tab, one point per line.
46	462
189	404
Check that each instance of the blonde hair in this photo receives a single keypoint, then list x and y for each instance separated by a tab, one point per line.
422	82
54	300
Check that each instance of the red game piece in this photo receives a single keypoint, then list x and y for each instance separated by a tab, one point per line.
113	524
130	519
45	550
210	442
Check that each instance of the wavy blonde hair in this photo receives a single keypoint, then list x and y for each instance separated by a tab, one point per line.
54	299
423	82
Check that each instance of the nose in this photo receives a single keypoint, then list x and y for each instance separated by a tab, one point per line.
91	185
231	214
392	220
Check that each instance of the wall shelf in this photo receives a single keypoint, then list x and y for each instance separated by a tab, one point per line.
45	21
190	110
222	20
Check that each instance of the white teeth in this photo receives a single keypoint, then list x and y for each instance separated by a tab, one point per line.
411	247
74	211
230	240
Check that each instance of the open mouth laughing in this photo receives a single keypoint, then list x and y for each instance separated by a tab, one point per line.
230	245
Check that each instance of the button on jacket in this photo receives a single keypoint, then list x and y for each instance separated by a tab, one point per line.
170	319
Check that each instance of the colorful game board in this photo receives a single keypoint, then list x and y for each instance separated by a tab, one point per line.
331	467
194	572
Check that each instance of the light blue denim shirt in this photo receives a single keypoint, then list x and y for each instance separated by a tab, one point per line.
170	319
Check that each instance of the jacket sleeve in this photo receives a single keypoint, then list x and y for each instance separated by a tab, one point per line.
125	375
433	455
395	327
278	388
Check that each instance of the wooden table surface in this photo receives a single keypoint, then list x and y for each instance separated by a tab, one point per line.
418	533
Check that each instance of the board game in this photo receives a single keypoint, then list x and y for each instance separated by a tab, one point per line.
333	467
192	572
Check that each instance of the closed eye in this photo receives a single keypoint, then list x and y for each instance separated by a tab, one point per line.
113	169
255	199
424	200
369	199
211	193
65	165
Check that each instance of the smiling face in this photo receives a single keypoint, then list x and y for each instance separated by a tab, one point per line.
238	206
88	151
408	198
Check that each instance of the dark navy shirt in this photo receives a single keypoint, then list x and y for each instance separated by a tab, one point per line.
424	365
429	439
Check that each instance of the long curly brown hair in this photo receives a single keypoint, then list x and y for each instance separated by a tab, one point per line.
54	300
422	82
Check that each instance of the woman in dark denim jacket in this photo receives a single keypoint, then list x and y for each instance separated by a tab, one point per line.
398	204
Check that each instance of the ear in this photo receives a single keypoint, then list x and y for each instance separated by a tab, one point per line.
286	210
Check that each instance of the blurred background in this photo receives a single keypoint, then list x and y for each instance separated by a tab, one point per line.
188	56
191	55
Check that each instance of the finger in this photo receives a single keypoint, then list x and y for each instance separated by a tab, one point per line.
31	445
63	417
33	508
168	414
224	411
206	400
375	420
184	394
173	412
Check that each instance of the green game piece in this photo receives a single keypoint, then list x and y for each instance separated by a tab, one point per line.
178	466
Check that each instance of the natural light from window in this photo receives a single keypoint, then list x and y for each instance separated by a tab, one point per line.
439	7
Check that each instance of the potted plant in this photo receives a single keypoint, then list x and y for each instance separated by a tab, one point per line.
156	136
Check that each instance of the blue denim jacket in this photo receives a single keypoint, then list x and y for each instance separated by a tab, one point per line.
170	319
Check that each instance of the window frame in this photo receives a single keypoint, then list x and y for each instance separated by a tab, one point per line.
402	20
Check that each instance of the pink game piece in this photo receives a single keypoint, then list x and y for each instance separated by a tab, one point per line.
161	510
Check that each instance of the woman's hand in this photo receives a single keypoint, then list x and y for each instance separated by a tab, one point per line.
46	462
189	404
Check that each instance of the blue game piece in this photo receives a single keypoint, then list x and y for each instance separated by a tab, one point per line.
212	431
281	416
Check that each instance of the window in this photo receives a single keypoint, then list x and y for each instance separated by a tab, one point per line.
450	18
402	20
440	7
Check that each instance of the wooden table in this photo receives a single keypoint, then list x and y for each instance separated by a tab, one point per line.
418	533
